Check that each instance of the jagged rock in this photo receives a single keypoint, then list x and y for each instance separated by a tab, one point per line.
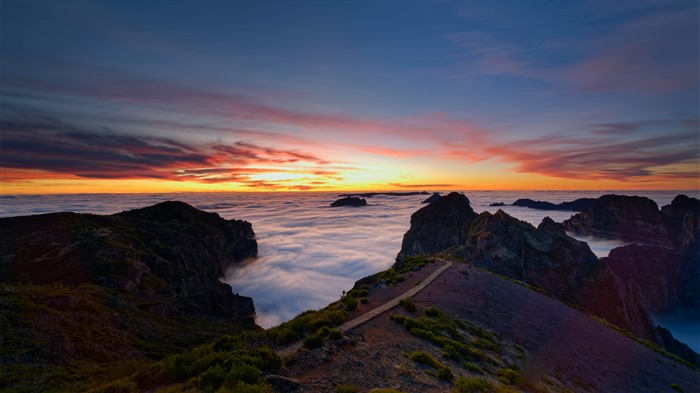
349	201
668	278
628	218
545	256
170	256
432	198
682	220
676	347
577	205
438	226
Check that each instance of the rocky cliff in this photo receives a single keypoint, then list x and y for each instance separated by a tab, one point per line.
629	218
545	257
665	261
170	256
439	225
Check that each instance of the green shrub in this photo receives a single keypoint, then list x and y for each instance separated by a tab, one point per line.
677	388
363	293
472	385
471	366
335	334
242	372
346	389
445	374
486	344
215	376
407	304
122	385
242	387
313	341
508	376
350	303
425	358
432	312
364	300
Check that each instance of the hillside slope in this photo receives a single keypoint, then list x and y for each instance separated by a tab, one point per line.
548	346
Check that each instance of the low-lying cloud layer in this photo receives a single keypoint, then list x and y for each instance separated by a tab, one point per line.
309	252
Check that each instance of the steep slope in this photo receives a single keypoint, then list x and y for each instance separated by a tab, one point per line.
480	325
83	295
543	256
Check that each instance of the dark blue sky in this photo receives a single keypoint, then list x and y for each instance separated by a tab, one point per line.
523	94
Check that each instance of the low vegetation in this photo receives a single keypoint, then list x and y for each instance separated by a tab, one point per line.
438	370
472	385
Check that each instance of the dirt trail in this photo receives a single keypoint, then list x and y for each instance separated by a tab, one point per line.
348	325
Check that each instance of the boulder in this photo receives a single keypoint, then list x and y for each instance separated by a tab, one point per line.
432	198
349	201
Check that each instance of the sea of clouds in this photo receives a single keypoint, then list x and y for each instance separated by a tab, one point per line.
310	252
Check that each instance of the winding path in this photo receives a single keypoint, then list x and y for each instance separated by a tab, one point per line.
293	348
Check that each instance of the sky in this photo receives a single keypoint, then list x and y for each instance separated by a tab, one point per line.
161	96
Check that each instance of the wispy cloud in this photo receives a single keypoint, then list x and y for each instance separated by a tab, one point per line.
60	150
433	185
655	52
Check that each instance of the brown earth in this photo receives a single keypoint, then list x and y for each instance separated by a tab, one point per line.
555	348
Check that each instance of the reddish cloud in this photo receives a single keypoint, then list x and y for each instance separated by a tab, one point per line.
51	150
437	185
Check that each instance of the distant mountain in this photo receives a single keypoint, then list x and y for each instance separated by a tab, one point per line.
577	205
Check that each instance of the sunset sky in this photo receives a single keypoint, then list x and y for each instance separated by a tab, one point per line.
163	96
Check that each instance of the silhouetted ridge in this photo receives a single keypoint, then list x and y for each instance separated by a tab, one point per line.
439	225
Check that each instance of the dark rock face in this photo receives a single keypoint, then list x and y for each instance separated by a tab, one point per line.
349	201
543	256
432	198
666	262
577	205
628	218
682	220
497	204
668	278
170	256
677	347
438	226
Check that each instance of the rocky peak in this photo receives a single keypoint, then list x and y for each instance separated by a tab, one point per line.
439	225
545	257
628	218
682	220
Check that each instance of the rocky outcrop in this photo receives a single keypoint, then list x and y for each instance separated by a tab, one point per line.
577	205
682	220
169	257
432	198
666	260
497	204
349	201
668	277
628	218
545	257
438	226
